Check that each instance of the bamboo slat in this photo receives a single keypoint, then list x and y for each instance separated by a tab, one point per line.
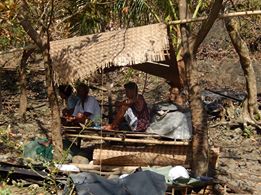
110	133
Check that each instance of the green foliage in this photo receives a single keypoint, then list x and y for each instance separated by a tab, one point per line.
257	117
87	16
4	190
247	131
8	140
11	33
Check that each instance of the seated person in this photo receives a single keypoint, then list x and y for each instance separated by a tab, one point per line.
133	109
87	107
66	93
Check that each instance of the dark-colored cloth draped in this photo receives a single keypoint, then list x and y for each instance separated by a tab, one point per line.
139	183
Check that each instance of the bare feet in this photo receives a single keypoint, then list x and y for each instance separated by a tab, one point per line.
108	127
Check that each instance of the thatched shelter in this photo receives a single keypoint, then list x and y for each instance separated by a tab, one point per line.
146	48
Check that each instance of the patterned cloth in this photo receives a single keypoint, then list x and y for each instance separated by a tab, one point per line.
143	116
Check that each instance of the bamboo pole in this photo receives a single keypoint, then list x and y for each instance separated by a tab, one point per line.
110	168
121	169
159	142
199	19
21	49
140	135
122	133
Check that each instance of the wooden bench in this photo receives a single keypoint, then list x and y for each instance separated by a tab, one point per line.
133	148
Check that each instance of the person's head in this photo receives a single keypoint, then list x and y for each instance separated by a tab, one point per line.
173	93
131	89
82	91
65	91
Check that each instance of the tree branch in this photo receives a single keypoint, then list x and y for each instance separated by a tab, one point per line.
206	26
28	27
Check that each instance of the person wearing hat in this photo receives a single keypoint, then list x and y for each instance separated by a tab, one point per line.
133	110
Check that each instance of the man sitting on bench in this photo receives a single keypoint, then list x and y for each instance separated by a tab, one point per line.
133	109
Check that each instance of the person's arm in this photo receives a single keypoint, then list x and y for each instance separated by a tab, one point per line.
87	114
128	102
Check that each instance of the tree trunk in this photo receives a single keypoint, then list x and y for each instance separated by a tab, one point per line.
199	119
199	122
22	75
1	105
53	100
54	104
250	107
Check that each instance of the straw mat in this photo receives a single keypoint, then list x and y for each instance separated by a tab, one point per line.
142	155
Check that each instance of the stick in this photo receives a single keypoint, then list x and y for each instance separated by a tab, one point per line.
227	96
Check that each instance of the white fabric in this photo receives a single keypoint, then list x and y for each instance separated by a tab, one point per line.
66	167
178	171
91	106
131	119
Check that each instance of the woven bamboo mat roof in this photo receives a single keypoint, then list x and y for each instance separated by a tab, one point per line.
79	57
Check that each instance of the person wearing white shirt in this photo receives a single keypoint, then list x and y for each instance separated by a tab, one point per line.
90	107
87	106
